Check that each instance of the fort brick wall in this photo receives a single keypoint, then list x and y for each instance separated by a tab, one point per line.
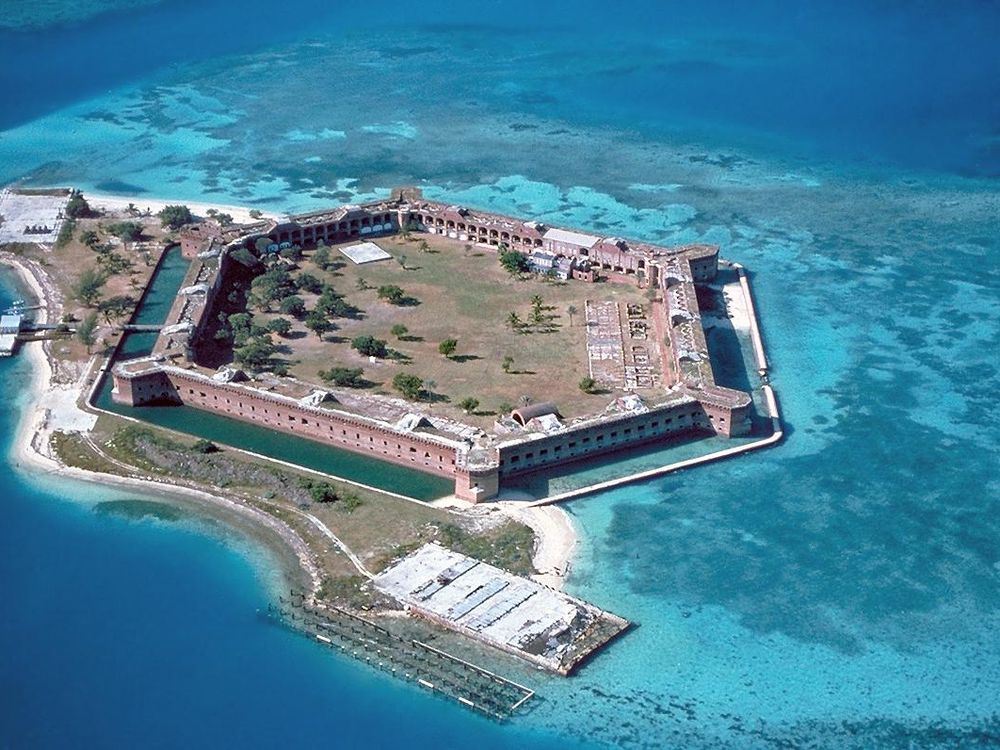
700	404
286	415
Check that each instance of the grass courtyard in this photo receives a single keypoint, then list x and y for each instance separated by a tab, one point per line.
461	292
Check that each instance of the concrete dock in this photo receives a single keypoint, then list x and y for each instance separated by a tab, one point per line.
506	611
10	327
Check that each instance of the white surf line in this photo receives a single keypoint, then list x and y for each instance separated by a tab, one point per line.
343	547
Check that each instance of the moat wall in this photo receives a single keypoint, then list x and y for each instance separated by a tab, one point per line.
411	449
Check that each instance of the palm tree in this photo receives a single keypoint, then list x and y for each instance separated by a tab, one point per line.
571	311
514	321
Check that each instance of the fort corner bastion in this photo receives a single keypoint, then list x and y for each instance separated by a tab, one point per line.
654	361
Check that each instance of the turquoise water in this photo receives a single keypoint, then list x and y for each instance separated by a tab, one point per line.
840	590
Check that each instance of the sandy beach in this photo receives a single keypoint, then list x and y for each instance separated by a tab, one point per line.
557	539
117	204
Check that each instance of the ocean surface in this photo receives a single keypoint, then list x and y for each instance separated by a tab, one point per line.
841	590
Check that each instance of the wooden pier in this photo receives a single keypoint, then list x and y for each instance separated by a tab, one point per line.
467	684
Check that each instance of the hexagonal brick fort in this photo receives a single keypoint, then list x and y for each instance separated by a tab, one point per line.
679	372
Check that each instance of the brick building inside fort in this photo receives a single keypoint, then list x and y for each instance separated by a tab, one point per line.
688	400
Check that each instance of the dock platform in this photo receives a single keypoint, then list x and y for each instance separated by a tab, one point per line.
10	326
524	618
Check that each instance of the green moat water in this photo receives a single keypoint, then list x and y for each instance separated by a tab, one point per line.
312	455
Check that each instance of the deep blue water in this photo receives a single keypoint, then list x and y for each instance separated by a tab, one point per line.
838	591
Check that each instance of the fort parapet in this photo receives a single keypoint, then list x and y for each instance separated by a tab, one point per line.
689	399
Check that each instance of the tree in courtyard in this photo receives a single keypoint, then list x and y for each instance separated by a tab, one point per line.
293	305
239	325
424	246
88	286
309	283
86	332
514	321
507	363
255	354
174	217
587	385
369	346
399	330
409	385
391	294
448	347
469	404
113	263
571	311
347	377
317	323
513	262
322	257
77	207
280	326
402	261
536	309
293	253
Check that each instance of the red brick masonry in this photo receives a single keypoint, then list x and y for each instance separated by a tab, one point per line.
478	465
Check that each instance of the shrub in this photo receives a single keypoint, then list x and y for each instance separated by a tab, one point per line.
370	346
347	377
409	385
280	326
391	294
309	283
293	305
514	262
205	446
323	492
